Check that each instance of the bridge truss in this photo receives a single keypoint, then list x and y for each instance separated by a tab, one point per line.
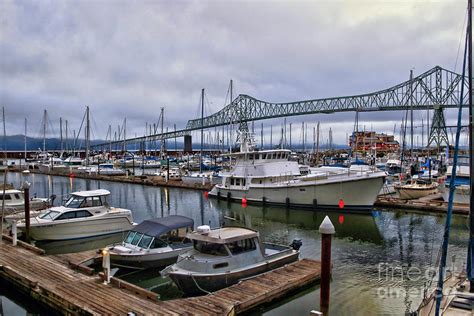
436	89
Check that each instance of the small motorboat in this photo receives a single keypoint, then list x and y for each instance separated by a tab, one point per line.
85	214
153	243
416	189
15	201
221	257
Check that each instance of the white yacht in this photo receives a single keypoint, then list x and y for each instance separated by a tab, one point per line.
154	242
268	176
221	257
53	163
73	162
85	214
107	169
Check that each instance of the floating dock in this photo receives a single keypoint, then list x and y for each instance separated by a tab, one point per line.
143	179
53	281
432	203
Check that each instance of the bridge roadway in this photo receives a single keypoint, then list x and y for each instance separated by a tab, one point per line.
436	88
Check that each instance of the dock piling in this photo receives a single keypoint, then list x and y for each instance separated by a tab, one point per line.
106	265
14	233
327	230
26	194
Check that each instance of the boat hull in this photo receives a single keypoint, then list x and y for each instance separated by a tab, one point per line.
194	284
357	193
146	260
78	229
461	194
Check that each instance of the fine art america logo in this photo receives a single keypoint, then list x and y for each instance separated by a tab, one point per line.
403	280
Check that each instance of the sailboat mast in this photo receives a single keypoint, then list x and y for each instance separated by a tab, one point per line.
231	88
202	126
67	140
411	114
25	140
470	253
61	133
87	136
44	130
4	131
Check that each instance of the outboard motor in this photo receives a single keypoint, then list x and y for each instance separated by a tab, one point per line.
296	244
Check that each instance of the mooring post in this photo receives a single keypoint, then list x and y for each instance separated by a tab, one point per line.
106	265
327	230
26	196
14	233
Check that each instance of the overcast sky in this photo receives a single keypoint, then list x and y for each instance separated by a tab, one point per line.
129	58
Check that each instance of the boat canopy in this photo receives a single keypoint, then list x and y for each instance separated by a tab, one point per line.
157	226
224	235
90	193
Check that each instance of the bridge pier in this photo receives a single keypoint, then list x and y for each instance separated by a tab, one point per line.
188	143
438	133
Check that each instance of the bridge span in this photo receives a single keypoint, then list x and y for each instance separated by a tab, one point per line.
436	89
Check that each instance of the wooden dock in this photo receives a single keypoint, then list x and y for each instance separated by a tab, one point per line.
432	203
53	281
144	180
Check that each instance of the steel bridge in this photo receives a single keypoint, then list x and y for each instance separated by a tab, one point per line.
436	89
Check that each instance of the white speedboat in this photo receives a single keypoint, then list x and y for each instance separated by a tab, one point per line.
268	176
416	189
221	257
15	201
85	214
153	243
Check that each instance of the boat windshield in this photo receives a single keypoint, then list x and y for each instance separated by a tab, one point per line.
49	215
74	202
210	248
136	239
130	236
145	241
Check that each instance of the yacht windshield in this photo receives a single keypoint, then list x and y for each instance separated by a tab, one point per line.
210	248
74	202
49	215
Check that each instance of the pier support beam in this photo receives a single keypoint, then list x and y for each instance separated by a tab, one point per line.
327	230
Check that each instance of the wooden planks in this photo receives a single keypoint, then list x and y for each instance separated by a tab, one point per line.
49	279
423	204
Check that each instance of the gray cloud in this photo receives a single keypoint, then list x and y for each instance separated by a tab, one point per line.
131	58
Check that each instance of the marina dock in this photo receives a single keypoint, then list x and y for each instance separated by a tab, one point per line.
52	281
432	203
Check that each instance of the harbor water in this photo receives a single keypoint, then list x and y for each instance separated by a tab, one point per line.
382	260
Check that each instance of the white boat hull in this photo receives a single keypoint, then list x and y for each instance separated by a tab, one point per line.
74	229
146	259
358	192
461	194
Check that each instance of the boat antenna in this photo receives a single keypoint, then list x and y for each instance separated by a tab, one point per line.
444	249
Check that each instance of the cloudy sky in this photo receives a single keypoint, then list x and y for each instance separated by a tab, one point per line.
129	58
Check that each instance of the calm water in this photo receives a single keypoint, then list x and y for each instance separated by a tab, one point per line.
380	260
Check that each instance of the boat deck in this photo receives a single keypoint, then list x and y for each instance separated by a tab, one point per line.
52	281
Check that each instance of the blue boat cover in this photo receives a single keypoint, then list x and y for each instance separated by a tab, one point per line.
158	226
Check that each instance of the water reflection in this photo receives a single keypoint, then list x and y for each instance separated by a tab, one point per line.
363	245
